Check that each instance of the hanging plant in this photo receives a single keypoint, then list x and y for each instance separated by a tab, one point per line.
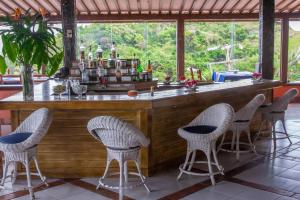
29	40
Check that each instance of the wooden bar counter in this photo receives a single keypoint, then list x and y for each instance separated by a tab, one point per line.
68	150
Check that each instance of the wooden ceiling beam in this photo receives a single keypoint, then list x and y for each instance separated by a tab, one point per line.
192	6
245	5
253	7
52	6
39	4
106	6
223	6
202	6
294	8
31	6
234	6
286	6
96	6
173	17
8	6
117	6
85	6
171	6
3	10
159	6
19	5
280	3
139	6
213	6
181	6
128	6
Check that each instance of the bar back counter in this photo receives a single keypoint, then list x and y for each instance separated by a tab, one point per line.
68	150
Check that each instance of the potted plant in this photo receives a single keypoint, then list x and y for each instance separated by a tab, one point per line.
29	40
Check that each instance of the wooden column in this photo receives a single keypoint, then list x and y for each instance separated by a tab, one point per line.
284	51
68	14
180	47
266	38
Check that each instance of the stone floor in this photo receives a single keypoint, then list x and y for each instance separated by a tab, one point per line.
266	176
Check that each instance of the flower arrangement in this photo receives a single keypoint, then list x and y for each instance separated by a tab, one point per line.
256	75
190	84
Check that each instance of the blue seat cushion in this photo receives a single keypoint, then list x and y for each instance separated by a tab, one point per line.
15	138
202	129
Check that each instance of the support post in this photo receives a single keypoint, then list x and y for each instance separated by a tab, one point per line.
266	38
284	51
68	14
180	47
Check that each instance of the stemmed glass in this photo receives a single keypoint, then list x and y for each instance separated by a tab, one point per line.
78	89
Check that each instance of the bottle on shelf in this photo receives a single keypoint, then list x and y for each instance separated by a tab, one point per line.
111	62
90	54
140	73
149	71
82	50
134	63
118	69
113	50
99	52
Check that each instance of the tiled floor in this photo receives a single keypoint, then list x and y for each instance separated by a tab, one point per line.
267	176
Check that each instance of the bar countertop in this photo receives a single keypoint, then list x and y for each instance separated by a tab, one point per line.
43	94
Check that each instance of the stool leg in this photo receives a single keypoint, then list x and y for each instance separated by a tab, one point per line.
222	141
274	134
108	161
238	143
26	164
5	169
285	131
192	160
141	176
188	153
121	165
212	178
216	158
125	172
43	178
259	131
14	173
233	140
250	141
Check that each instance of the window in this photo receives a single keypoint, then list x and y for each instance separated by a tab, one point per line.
149	41
294	51
221	46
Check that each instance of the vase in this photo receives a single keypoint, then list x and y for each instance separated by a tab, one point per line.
27	82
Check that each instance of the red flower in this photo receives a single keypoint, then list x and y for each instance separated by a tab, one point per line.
256	75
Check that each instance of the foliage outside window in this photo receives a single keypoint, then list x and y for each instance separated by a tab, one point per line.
294	51
148	41
206	46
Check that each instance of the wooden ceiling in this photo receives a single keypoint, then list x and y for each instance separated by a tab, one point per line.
150	7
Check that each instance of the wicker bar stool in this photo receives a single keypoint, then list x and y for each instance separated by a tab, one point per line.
241	124
123	142
21	146
202	134
276	112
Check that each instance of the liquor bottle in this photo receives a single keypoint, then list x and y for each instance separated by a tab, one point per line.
113	50
134	63
111	62
149	71
84	74
118	69
90	54
82	50
99	52
140	73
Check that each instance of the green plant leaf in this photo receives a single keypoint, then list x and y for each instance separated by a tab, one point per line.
3	65
10	48
54	63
